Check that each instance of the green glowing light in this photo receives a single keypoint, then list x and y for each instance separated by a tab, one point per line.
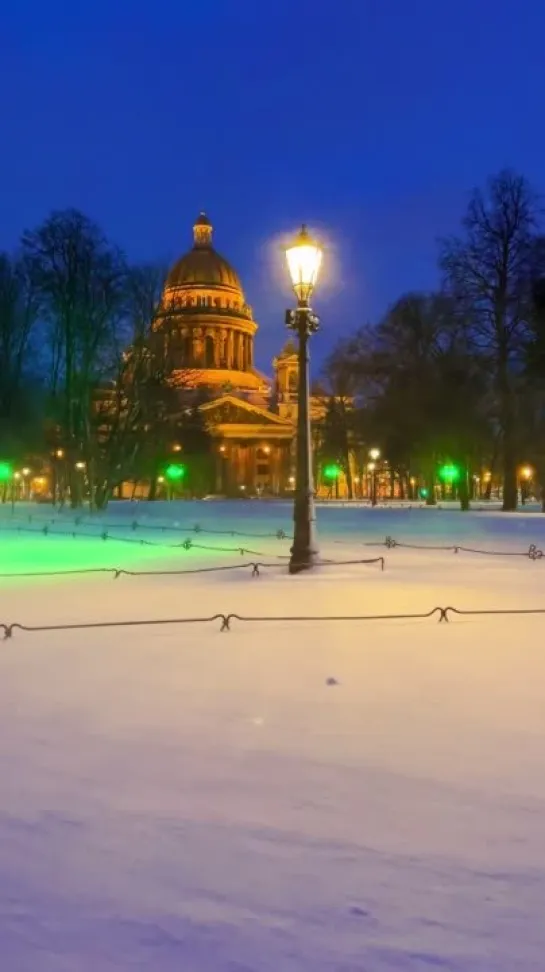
332	471
424	493
6	472
449	473
175	472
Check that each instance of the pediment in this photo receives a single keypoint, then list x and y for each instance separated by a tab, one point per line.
229	410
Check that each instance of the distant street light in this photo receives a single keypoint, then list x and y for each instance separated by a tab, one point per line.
374	455
6	472
304	258
526	474
175	472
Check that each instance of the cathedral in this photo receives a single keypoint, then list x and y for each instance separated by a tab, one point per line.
210	331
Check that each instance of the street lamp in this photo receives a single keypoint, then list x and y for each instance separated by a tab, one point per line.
374	455
525	476
6	472
372	467
304	258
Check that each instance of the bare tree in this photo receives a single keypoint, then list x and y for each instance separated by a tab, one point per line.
79	279
489	271
131	407
17	322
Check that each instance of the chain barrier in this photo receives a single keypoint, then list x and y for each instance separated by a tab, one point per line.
532	553
125	572
134	525
186	544
442	613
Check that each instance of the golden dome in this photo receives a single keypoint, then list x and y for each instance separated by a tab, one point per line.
203	266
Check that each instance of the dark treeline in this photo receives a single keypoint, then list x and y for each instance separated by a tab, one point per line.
455	376
83	377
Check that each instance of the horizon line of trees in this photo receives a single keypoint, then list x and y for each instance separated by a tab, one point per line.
84	376
456	375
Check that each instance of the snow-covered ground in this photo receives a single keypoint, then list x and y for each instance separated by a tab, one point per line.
327	796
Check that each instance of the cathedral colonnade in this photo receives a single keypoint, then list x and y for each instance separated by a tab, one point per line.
216	347
249	467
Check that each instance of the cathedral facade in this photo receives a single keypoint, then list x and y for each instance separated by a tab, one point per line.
208	330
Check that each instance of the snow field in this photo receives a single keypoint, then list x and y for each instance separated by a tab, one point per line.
177	798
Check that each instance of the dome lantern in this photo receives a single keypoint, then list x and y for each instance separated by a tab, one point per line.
202	231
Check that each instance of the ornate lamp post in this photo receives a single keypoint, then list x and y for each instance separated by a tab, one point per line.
304	258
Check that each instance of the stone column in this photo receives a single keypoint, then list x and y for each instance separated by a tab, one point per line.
275	468
198	347
222	342
229	350
251	472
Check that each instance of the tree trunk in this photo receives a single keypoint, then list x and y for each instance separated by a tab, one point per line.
102	496
510	490
463	492
348	475
431	499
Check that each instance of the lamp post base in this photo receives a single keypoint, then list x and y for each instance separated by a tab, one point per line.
303	560
304	552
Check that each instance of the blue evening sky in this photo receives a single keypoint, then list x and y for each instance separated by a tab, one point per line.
369	119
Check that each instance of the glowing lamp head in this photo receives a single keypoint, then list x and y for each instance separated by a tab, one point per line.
526	472
332	471
6	472
304	258
374	454
175	472
449	473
